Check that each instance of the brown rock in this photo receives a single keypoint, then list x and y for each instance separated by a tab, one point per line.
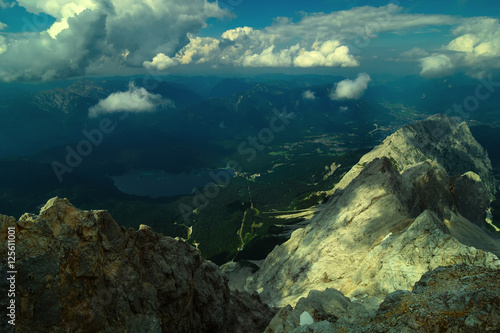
78	271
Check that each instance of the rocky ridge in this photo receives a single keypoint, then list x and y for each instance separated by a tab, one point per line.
78	271
416	202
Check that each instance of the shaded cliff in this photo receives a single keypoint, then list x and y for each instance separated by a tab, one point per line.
78	271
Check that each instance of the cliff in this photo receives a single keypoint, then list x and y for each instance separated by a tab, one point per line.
416	202
78	271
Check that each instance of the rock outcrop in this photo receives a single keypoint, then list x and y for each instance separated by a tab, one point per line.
414	203
456	299
78	271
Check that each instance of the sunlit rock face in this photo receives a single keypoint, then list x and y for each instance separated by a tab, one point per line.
78	271
457	298
416	202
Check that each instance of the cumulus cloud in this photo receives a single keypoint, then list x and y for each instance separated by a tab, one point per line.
329	53
69	55
475	49
316	40
136	100
198	50
351	89
260	52
308	94
268	58
159	34
161	62
239	33
436	66
90	33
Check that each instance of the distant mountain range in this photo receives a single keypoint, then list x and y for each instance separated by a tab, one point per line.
45	115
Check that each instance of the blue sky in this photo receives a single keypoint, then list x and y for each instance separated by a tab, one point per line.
57	39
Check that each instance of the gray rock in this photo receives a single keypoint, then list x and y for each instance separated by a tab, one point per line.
78	271
324	307
457	298
414	203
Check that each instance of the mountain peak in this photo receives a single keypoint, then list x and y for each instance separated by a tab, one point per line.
415	202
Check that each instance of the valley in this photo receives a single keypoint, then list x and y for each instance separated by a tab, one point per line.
223	181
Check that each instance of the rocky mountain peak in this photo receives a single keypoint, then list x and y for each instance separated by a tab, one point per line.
78	271
414	203
437	138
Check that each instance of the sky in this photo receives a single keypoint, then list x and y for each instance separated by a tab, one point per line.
59	39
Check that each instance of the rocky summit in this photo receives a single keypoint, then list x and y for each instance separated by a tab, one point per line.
416	202
78	271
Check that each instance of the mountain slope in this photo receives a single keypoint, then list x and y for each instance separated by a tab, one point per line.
414	203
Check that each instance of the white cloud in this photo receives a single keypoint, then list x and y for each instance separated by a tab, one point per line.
351	89
198	50
259	52
5	5
69	55
476	49
348	25
343	108
160	34
329	54
477	46
90	33
415	52
241	32
3	42
436	66
308	94
3	45
161	62
66	11
268	58
316	40
136	100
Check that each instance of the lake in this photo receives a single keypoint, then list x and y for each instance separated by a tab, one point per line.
158	183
